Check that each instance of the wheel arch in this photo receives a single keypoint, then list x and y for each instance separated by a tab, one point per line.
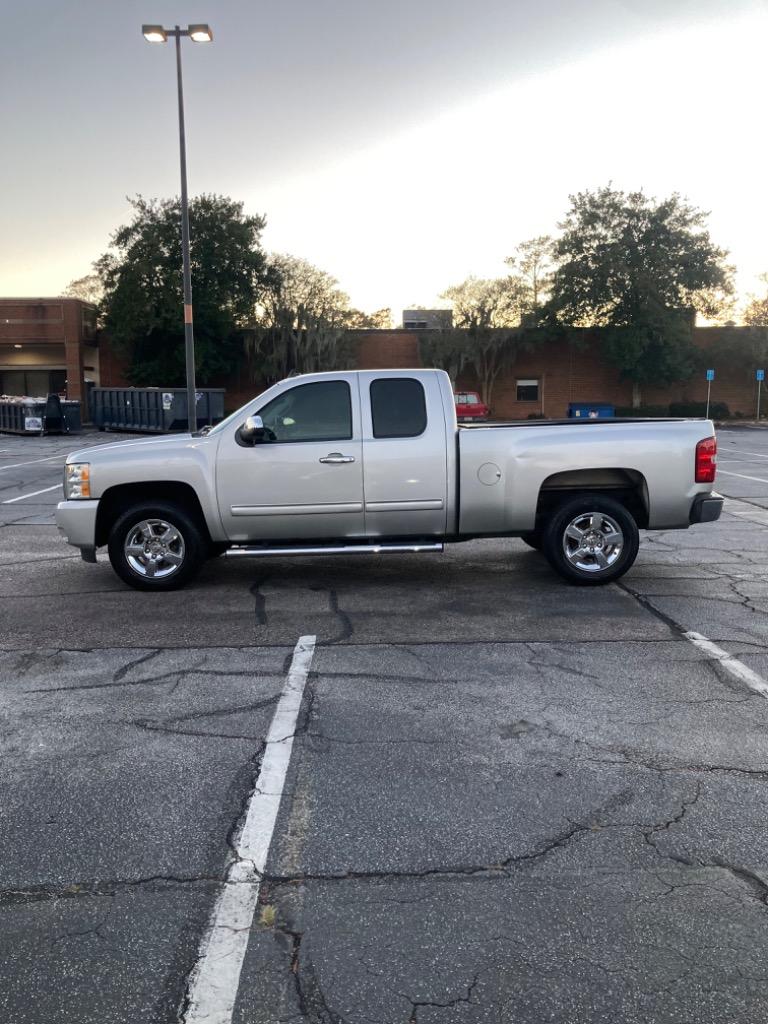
627	486
117	499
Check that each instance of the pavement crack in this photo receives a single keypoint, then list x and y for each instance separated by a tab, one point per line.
346	629
674	627
83	933
111	887
170	725
123	671
497	868
260	600
249	773
685	806
750	879
311	999
417	1004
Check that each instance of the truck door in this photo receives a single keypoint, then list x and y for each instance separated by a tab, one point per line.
404	452
305	480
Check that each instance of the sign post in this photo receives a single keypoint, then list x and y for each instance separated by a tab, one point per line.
760	377
710	378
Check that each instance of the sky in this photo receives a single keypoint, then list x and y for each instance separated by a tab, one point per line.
400	145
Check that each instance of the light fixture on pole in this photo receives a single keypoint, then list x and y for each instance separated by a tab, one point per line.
198	34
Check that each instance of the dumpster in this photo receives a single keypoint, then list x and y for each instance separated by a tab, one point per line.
22	415
153	410
590	410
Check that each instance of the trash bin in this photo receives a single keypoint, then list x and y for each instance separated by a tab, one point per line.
153	410
590	410
21	415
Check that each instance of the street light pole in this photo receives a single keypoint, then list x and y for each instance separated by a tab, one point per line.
189	333
199	34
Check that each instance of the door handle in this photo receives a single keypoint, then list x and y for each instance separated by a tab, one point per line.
337	459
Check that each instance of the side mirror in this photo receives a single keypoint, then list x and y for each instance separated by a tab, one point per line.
253	430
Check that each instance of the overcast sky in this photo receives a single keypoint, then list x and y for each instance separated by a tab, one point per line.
399	144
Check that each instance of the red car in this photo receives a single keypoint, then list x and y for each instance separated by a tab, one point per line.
469	407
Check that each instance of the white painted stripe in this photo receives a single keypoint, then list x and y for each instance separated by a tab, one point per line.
214	982
740	451
743	476
31	494
17	465
729	663
744	510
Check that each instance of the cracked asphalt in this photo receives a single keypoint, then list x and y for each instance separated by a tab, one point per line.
508	800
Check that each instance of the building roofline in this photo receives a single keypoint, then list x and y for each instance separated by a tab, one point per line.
45	298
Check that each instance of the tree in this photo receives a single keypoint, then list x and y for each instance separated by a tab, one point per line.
305	319
379	320
88	288
756	313
444	349
142	281
490	313
533	264
640	268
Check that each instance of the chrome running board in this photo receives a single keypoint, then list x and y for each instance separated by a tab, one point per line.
242	551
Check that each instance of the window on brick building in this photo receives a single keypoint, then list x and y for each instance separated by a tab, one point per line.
528	391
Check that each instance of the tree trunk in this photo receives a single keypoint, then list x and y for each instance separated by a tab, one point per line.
636	396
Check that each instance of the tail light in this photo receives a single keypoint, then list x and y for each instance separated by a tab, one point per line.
706	460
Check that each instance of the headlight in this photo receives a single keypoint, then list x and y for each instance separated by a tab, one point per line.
77	480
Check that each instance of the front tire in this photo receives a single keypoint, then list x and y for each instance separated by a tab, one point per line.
156	546
591	540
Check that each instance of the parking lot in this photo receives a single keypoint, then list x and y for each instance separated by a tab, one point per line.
507	799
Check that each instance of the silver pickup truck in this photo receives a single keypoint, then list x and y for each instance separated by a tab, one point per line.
373	461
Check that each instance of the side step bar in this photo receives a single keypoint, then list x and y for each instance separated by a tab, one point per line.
346	549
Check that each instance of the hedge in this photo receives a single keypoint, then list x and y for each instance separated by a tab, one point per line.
642	410
717	410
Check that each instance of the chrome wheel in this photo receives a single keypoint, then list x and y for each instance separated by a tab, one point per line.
593	541
154	548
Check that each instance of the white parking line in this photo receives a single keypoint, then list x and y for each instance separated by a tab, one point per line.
740	451
729	663
31	494
17	465
213	984
743	476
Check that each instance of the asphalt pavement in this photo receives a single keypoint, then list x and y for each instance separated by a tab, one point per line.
507	799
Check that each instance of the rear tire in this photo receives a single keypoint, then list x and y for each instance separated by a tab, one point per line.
156	546
591	540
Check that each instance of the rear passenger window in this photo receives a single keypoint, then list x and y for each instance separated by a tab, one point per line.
398	407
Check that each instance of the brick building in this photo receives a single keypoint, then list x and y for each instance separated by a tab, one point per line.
46	346
58	343
556	373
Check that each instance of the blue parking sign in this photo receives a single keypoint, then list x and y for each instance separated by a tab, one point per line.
759	374
710	374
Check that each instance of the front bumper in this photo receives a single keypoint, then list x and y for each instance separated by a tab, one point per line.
706	508
76	520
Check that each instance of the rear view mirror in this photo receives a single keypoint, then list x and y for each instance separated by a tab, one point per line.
253	430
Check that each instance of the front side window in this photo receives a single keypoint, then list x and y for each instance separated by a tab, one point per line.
310	412
528	391
398	407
